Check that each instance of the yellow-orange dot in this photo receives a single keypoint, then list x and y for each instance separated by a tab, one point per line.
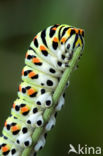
14	105
26	55
35	60
63	39
31	74
55	39
30	91
5	124
42	47
35	37
5	149
14	128
24	109
22	72
20	88
76	30
54	28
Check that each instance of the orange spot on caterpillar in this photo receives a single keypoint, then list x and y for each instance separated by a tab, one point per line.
54	28
26	55
15	128
35	37
22	72
55	39
5	148
81	32
31	74
20	88
76	30
42	47
14	105
30	91
5	124
63	39
35	60
24	109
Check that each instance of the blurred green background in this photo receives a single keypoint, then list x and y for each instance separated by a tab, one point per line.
81	120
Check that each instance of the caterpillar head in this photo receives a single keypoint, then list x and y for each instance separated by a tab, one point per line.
71	39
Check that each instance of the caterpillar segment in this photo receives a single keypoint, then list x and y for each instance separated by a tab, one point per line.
8	148
26	112
35	94
39	78
47	58
35	62
17	132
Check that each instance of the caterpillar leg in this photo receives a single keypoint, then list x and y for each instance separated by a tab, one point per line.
45	100
35	118
51	123
40	144
60	102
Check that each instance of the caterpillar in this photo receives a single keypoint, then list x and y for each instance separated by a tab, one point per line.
47	58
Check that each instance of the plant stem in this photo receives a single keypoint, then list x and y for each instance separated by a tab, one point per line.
48	112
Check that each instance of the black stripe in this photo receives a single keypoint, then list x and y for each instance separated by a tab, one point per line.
71	33
6	153
64	31
36	42
44	52
35	77
43	35
55	45
15	132
38	64
76	38
33	95
25	113
81	38
52	32
30	48
59	33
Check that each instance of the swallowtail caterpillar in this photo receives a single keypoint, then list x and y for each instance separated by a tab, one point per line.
47	58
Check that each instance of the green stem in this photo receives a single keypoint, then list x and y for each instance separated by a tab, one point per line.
48	112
